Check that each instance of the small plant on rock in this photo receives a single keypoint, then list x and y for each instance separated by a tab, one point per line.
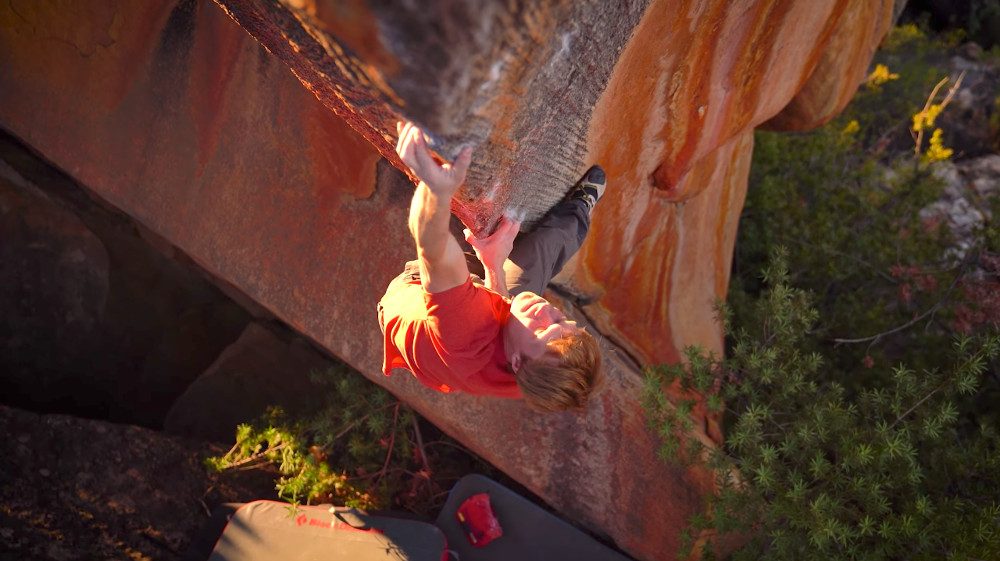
362	448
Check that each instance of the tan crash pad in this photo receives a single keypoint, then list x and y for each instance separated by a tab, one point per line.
268	530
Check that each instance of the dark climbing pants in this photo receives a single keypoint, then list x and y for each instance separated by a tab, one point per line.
536	256
540	254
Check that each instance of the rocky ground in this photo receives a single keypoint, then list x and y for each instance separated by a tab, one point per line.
77	489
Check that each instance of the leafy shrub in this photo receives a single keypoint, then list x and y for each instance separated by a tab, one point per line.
812	470
847	206
361	448
860	380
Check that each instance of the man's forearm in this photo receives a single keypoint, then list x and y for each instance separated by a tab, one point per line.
442	266
495	280
429	218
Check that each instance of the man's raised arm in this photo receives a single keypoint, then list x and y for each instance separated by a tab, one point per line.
442	263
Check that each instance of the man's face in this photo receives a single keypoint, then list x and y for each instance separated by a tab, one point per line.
533	323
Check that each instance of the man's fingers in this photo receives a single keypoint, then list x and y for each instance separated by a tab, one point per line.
502	226
405	151
512	226
410	147
413	149
506	227
403	142
413	135
423	151
401	131
463	160
501	231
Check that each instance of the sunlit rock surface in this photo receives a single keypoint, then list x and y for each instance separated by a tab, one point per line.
174	114
663	93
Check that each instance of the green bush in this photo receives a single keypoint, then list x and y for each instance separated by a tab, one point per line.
860	379
361	447
813	470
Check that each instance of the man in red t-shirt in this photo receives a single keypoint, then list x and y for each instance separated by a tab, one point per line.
494	337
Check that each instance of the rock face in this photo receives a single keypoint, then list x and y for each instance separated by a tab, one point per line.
663	93
969	186
516	80
259	370
173	114
674	130
95	322
971	124
53	286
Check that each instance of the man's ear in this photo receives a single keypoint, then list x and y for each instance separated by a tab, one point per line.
515	362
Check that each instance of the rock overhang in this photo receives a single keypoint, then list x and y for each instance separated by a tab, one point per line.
173	115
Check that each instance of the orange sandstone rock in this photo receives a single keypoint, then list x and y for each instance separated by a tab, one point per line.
272	183
663	93
673	128
206	140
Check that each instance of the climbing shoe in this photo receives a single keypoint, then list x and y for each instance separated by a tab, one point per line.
590	187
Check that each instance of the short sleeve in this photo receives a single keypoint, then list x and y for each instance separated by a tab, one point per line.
466	318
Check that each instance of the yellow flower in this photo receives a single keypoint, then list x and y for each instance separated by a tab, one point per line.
880	75
851	128
925	119
937	150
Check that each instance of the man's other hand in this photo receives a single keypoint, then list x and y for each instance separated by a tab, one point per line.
442	179
494	249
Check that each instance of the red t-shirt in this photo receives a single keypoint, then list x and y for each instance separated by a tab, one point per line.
451	340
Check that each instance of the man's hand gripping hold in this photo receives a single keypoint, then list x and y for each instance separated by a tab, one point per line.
493	250
442	263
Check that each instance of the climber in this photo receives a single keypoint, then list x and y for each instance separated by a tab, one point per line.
496	337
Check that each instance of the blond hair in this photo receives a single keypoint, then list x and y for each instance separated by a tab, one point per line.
565	376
